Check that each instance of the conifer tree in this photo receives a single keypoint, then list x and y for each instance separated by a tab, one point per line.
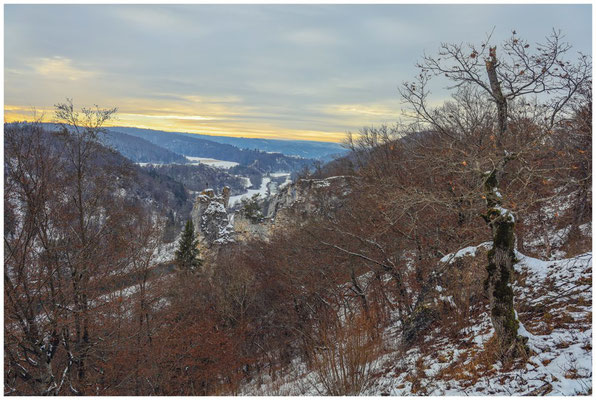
187	255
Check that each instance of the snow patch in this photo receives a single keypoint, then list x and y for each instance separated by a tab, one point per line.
466	251
212	162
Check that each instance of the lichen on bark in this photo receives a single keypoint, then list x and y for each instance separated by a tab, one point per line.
501	259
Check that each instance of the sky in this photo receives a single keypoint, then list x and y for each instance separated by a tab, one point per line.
308	72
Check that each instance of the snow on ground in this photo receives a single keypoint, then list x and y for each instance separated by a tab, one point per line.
554	301
274	186
466	251
554	239
165	252
262	190
545	237
144	164
211	162
279	174
130	292
561	362
245	181
284	183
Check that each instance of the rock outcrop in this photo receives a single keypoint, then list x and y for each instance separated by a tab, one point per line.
293	203
245	228
309	196
210	217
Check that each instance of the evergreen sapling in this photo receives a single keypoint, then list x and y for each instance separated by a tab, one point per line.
187	255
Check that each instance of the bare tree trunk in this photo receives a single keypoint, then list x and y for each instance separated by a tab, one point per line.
359	292
495	85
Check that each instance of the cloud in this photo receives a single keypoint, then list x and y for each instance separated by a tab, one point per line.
183	106
175	117
396	31
60	68
271	70
26	113
160	18
210	99
313	37
369	110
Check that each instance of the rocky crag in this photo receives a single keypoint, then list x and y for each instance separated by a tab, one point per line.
307	197
210	218
293	203
216	225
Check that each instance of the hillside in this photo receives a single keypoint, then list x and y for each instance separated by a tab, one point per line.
189	145
462	361
140	150
449	254
300	148
370	284
196	178
447	344
325	151
179	172
161	195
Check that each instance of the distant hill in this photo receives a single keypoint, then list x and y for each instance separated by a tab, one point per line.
300	148
140	150
189	145
136	149
152	146
162	194
199	177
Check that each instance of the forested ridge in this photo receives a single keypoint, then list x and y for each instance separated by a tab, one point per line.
455	258
198	146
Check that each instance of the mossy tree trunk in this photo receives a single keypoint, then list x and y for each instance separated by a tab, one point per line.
502	223
501	259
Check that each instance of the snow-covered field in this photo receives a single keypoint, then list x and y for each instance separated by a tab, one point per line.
145	164
279	174
211	162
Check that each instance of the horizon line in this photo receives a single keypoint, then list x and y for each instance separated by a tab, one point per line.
224	136
25	118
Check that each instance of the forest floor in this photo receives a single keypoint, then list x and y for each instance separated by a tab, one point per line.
554	306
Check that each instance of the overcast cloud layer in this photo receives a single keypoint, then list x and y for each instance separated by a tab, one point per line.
300	72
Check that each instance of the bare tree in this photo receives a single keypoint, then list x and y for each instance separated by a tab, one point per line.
524	82
65	245
89	193
33	287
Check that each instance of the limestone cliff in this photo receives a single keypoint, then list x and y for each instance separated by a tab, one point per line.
210	218
308	196
293	204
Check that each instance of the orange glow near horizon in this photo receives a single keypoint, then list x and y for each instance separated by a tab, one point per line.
218	125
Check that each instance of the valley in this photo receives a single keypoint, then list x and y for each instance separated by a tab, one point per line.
297	200
306	270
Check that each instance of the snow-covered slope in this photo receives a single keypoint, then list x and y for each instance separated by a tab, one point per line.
553	301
